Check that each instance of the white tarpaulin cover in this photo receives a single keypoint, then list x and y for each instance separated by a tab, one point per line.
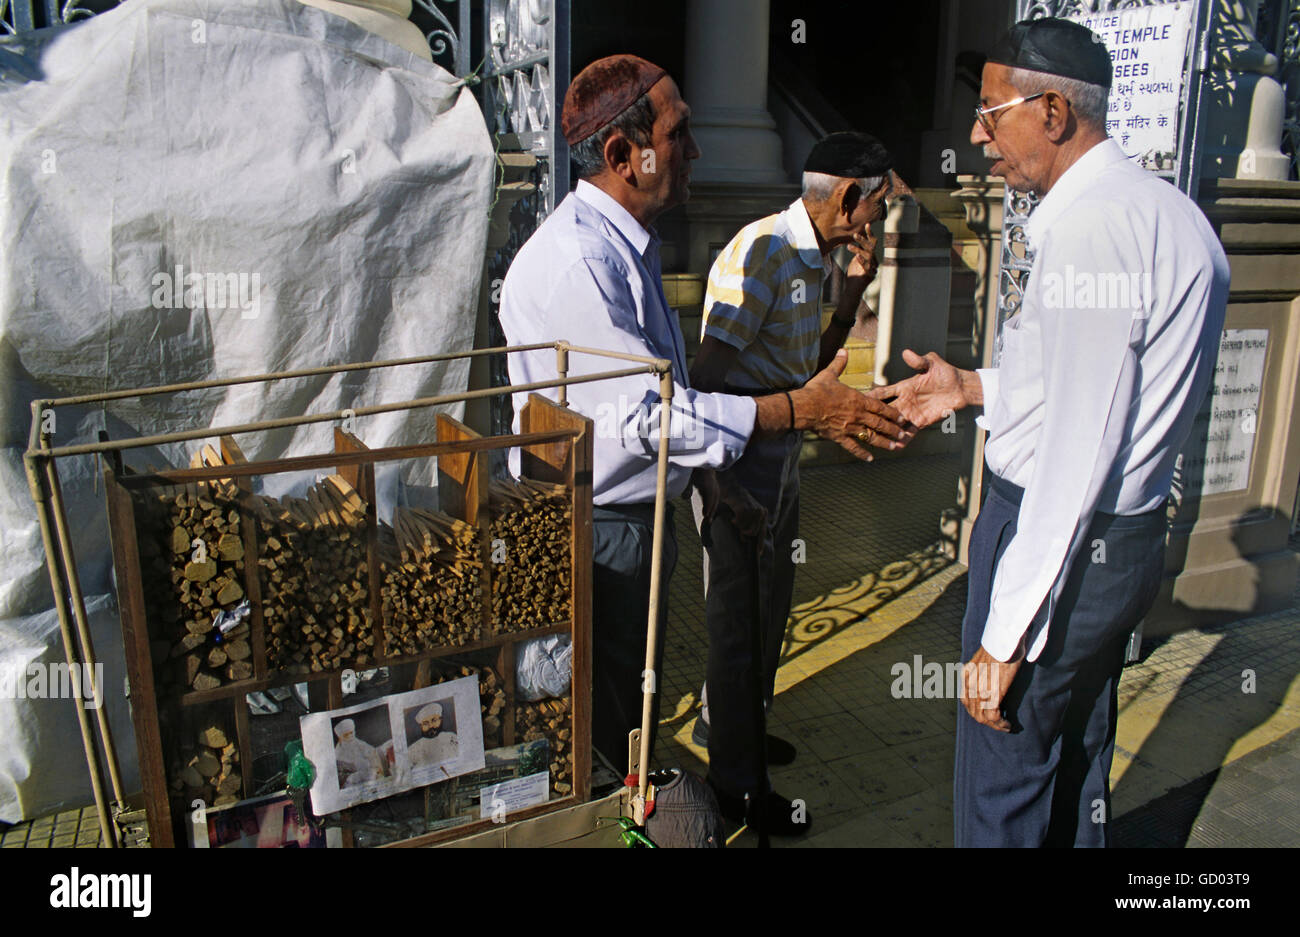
192	189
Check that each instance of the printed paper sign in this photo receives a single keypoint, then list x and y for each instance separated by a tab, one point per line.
501	800
1219	452
382	747
1148	49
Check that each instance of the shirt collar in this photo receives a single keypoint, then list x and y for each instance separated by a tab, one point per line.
617	215
805	235
1074	183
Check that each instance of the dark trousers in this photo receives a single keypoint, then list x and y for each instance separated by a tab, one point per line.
748	587
622	542
1047	782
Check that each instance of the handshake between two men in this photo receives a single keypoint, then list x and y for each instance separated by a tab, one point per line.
886	417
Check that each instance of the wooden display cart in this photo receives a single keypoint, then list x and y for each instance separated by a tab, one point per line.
378	625
556	447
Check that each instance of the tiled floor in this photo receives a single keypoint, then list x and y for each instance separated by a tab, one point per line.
876	769
1208	750
1253	801
72	828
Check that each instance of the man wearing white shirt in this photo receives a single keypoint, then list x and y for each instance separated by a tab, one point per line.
1099	377
591	275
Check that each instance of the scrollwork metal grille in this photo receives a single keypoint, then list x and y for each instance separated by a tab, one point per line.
526	74
20	16
449	44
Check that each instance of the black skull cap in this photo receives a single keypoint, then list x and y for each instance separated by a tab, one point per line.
1055	46
849	155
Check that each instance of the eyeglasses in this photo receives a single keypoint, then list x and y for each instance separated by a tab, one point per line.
982	113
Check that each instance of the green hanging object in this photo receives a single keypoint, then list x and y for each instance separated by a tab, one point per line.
632	835
299	773
299	776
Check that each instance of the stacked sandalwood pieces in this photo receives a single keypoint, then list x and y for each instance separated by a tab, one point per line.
531	563
314	579
492	702
551	719
432	571
208	771
193	569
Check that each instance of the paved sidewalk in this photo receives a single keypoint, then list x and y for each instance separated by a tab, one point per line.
876	770
1208	751
1254	801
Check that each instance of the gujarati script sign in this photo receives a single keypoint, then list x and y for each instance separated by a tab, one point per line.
1219	452
1148	47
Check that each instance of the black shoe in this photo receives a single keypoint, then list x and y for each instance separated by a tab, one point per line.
783	817
779	752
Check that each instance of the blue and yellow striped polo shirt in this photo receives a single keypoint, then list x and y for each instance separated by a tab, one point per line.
764	298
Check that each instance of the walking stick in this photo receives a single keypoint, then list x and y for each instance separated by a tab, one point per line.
758	805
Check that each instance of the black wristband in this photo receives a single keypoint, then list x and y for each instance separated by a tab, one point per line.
790	403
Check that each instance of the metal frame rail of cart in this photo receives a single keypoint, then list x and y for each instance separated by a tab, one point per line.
556	446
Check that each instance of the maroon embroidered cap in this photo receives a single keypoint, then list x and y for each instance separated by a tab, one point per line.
603	90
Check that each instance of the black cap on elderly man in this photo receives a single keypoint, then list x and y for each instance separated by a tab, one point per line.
1057	47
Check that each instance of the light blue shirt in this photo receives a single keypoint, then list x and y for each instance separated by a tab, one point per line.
590	275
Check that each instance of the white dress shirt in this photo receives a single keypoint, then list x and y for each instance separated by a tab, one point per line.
1101	372
590	275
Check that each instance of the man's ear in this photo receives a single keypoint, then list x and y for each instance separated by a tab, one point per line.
1058	116
847	195
618	156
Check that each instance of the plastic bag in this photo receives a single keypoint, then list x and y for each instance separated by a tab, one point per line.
543	667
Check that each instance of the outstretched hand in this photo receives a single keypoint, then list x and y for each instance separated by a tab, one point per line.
849	417
935	391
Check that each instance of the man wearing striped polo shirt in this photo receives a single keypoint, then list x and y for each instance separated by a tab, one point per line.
762	334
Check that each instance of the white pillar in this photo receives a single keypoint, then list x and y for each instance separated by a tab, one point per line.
726	87
389	19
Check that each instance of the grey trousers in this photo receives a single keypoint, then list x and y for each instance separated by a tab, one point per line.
622	542
748	592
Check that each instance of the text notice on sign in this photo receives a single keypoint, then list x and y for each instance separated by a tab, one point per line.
1148	49
1221	447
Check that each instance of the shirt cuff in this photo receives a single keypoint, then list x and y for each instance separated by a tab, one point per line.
1001	643
989	384
747	415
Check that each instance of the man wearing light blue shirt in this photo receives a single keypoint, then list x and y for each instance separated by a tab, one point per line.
1100	375
591	275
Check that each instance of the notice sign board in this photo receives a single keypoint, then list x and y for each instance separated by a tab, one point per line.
1148	50
1219	452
